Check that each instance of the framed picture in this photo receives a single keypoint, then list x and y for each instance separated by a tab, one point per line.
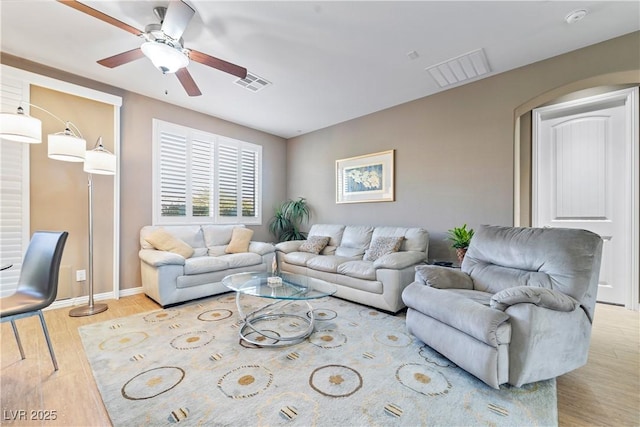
367	178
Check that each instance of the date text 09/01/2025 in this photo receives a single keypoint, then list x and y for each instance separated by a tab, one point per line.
29	415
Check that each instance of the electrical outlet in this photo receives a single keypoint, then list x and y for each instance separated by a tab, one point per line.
81	275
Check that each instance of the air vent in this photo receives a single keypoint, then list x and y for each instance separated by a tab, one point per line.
253	82
460	69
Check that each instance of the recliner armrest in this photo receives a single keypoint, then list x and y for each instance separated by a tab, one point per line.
157	258
443	277
542	297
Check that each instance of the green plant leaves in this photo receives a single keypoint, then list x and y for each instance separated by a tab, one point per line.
285	224
460	236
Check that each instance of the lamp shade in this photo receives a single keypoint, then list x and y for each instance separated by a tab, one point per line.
20	128
66	147
100	161
164	57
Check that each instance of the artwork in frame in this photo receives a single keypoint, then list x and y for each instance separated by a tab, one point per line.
367	178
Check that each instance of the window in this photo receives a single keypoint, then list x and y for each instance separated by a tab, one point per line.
201	177
14	191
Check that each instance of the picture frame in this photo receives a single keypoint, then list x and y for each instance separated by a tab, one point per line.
367	178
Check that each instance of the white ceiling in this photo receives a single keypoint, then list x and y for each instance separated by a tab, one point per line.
328	61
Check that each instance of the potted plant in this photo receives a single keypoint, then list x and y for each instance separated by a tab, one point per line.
460	238
289	216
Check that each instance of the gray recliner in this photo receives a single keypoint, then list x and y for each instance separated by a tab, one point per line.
520	309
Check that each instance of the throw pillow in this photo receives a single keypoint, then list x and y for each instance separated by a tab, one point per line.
240	239
314	244
382	246
162	240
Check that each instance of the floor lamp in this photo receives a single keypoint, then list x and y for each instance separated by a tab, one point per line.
69	147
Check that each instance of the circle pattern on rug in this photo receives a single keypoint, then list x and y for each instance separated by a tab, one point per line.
215	315
259	339
152	383
327	339
123	341
285	408
392	338
191	340
161	316
335	380
423	379
245	381
435	358
372	314
323	314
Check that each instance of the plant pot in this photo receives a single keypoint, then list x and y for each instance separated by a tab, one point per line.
460	252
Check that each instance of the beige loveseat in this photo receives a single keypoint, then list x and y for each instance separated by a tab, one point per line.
169	277
356	260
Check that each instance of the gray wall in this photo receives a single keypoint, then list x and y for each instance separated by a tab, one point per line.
454	150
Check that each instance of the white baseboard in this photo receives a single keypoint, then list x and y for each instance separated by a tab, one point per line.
83	300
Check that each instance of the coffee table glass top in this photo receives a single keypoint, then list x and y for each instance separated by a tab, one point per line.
292	287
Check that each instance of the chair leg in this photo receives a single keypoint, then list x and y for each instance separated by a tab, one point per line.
46	336
15	333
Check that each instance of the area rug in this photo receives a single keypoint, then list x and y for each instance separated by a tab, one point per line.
360	367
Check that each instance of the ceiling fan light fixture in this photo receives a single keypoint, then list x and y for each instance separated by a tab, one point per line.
164	57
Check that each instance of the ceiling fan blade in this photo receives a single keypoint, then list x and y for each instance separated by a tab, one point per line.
101	16
177	18
122	58
218	63
187	82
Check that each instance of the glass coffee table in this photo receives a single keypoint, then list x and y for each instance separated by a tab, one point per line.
283	315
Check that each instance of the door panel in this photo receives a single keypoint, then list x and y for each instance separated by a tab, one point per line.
582	182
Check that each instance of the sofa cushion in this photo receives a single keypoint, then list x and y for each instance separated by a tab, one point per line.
328	263
480	297
443	277
358	269
162	240
357	237
382	245
218	235
349	252
190	234
240	239
314	244
333	231
241	259
298	258
204	264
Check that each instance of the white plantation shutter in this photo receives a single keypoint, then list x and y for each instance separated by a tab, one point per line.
202	168
249	176
14	192
173	175
204	178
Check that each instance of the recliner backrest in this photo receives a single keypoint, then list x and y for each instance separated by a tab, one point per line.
567	260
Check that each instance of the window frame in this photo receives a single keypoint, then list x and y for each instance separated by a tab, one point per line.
217	141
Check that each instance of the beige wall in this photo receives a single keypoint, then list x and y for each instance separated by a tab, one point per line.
59	195
454	150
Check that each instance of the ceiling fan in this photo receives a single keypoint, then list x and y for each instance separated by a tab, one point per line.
163	44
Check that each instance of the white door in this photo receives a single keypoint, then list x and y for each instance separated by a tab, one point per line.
583	168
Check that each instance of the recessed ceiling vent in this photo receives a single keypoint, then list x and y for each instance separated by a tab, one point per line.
460	69
253	82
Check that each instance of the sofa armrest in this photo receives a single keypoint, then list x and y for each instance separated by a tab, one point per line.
542	297
399	260
157	258
290	246
261	248
443	277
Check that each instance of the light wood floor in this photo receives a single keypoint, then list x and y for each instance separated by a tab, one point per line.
605	392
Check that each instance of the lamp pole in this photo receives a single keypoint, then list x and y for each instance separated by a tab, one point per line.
90	308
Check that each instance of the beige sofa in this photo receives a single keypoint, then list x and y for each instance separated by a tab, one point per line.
170	278
349	261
